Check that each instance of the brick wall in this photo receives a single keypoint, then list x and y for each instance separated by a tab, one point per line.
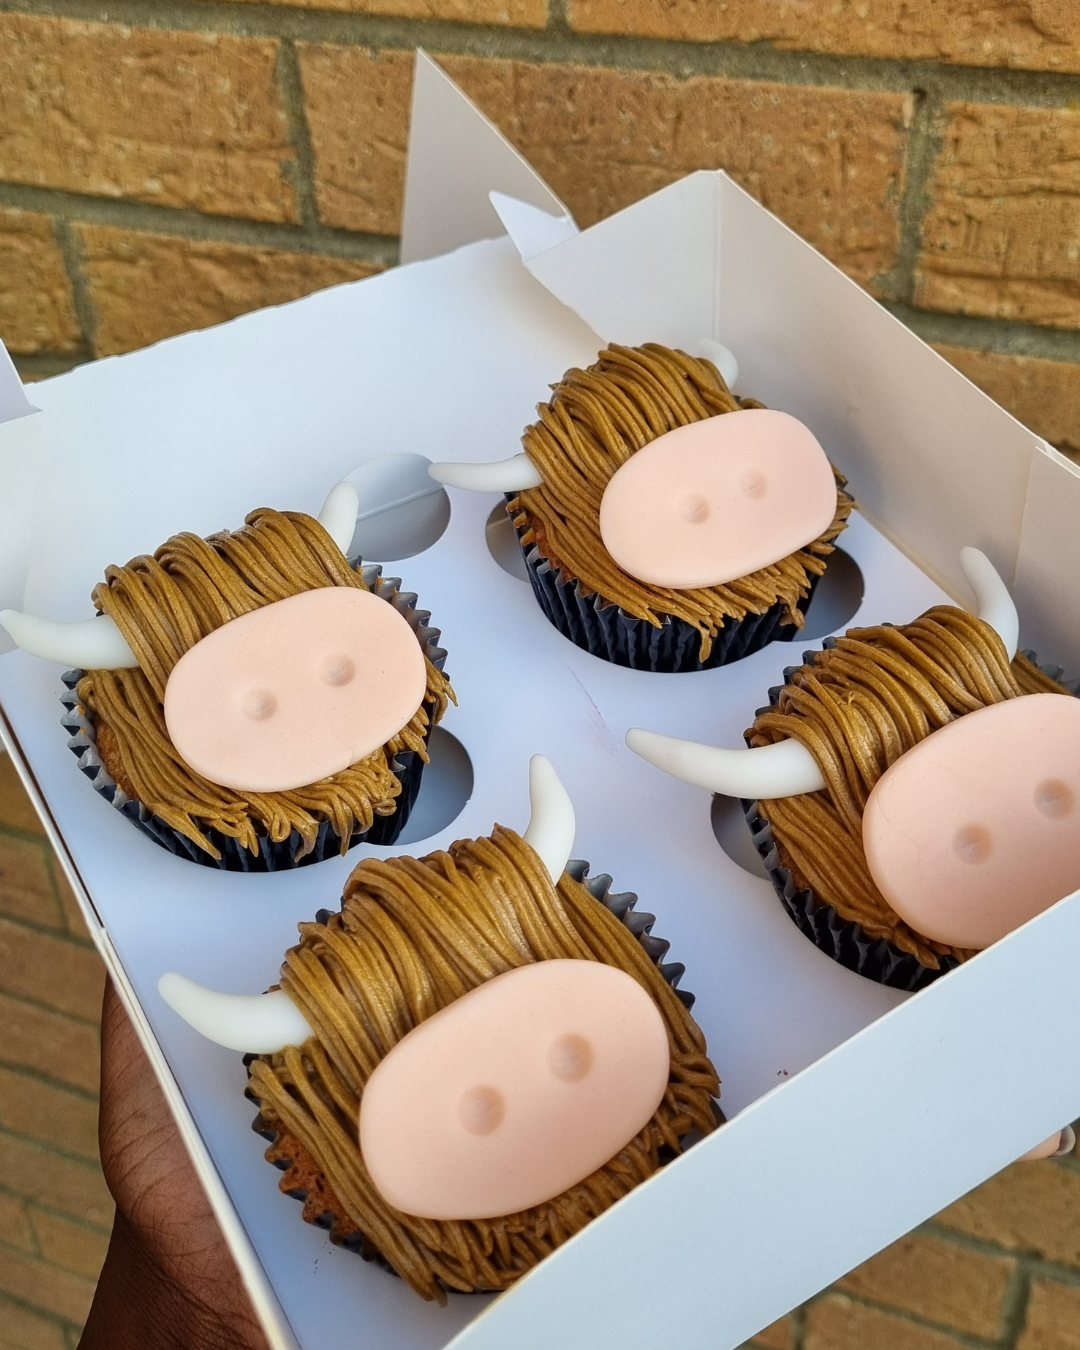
166	164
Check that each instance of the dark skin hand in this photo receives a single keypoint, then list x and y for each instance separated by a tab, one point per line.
168	1282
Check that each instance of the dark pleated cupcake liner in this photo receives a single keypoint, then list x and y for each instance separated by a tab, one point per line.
408	767
623	906
604	629
845	941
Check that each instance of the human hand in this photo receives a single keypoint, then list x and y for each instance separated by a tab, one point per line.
169	1282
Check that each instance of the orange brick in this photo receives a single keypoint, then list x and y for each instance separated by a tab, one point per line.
358	112
938	1281
21	1329
44	1286
54	1181
837	1323
1001	238
1028	1208
1033	35
174	118
50	970
15	1229
1044	395
37	313
500	13
50	1044
776	1336
15	808
828	161
1053	1318
26	886
72	1246
149	286
53	1115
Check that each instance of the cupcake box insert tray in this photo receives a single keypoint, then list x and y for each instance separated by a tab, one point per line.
855	1111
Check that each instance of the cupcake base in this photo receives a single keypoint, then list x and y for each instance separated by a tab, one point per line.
845	941
407	766
605	630
303	1180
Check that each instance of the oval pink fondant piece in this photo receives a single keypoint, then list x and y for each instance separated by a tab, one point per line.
295	691
715	500
515	1092
977	828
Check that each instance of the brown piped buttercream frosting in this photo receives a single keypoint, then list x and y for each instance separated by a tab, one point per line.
412	936
595	420
164	605
857	707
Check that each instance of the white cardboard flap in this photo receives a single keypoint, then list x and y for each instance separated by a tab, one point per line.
1047	591
456	157
932	461
21	450
646	274
532	230
809	1180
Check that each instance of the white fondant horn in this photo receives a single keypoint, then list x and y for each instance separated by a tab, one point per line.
785	769
504	475
552	825
994	604
90	644
338	514
255	1024
722	359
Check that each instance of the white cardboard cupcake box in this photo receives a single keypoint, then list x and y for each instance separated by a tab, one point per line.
855	1112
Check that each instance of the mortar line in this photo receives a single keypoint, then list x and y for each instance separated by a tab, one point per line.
1035	1263
44	365
924	145
1014	1305
76	1220
906	1315
44	1080
681	59
90	1164
65	1323
49	1008
1005	337
71	252
124	213
290	84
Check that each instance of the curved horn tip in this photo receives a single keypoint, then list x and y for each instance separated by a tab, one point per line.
552	825
993	602
254	1024
786	769
721	357
516	474
339	512
88	644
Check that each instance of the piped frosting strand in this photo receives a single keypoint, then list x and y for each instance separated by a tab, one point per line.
857	707
454	920
164	605
595	420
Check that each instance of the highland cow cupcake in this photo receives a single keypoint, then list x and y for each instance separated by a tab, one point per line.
915	789
660	531
481	1052
254	700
